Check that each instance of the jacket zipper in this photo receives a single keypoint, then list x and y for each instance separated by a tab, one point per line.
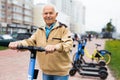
48	35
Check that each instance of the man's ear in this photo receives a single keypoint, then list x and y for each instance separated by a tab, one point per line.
56	13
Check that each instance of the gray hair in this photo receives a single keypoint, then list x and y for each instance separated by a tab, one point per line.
51	6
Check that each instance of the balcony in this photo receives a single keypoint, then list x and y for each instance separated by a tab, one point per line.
17	3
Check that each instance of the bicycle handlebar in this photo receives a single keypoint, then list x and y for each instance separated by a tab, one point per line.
31	48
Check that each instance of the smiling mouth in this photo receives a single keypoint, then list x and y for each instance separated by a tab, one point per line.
49	19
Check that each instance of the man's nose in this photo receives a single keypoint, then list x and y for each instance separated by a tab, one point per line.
48	15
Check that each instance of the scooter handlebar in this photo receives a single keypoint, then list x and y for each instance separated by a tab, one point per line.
82	41
31	48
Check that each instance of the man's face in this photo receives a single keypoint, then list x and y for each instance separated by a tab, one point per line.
49	15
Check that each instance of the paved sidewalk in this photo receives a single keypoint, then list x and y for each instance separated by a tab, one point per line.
14	65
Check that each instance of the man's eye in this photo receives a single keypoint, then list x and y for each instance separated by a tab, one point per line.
50	13
45	13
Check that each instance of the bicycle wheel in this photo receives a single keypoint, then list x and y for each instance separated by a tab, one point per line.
107	58
105	55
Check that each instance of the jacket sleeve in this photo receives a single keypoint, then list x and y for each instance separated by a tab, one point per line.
67	42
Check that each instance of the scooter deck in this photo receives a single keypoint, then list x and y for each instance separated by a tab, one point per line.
90	69
90	65
88	73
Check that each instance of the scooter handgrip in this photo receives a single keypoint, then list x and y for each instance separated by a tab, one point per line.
22	47
32	48
39	49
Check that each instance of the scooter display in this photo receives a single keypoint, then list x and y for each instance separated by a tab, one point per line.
32	72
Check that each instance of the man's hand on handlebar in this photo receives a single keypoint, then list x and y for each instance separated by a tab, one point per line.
13	45
50	48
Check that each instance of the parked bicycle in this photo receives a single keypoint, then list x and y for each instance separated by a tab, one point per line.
97	55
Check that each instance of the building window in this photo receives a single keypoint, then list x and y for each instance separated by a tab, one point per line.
2	6
27	6
2	14
28	12
28	0
17	9
17	3
17	17
9	1
28	19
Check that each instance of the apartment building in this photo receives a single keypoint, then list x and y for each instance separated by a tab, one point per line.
78	17
63	5
16	15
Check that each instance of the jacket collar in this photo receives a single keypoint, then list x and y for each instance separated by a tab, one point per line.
56	25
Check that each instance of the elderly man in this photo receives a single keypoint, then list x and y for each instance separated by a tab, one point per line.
55	37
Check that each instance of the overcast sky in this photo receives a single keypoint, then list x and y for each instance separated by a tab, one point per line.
99	12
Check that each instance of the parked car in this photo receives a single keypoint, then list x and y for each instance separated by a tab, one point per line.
107	35
116	35
21	36
5	39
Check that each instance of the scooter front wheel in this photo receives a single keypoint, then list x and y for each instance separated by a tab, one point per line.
103	74
102	63
72	72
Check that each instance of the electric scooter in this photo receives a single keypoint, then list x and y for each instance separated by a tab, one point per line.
102	74
32	72
78	67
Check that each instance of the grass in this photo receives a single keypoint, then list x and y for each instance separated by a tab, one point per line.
3	48
114	47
